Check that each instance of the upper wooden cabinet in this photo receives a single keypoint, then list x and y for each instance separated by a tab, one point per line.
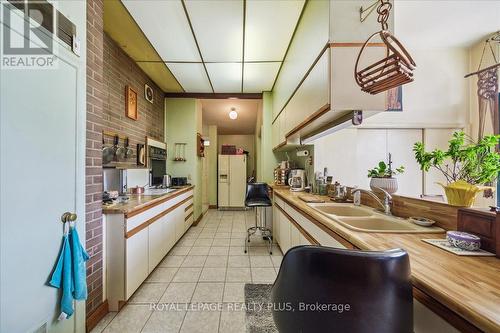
316	89
311	99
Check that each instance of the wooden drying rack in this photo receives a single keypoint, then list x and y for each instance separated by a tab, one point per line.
114	134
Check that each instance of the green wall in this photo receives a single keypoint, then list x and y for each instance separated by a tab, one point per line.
212	165
267	159
182	119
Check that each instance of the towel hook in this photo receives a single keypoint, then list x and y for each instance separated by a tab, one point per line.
68	217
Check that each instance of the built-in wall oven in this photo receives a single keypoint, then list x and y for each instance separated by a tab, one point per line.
157	165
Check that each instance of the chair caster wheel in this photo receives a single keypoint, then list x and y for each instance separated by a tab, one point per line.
270	253
245	251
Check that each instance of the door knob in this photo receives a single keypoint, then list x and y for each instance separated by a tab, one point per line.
68	217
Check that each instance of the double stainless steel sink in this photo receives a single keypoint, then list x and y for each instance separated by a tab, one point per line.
365	219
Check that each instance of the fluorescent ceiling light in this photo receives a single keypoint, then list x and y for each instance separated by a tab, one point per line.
218	26
343	121
165	25
192	77
258	77
226	78
269	26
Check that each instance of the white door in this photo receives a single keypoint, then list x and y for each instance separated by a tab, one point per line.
42	175
223	181
237	180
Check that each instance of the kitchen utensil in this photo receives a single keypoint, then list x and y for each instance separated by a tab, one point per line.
137	190
422	221
463	240
128	151
167	181
107	153
119	151
141	154
296	181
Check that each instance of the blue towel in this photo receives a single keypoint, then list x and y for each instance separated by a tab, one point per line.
79	257
62	278
69	273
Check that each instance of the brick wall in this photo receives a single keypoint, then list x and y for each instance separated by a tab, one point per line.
109	70
119	71
93	172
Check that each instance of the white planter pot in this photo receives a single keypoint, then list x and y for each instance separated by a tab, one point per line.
388	184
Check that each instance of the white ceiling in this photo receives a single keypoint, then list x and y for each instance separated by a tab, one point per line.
216	112
219	46
441	24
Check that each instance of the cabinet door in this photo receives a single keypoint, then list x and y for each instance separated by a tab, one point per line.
276	133
284	236
283	129
294	236
304	240
156	243
169	230
276	224
136	261
180	226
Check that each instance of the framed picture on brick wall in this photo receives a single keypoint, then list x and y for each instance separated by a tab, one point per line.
131	103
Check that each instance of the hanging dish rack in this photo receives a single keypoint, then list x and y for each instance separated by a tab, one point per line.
390	72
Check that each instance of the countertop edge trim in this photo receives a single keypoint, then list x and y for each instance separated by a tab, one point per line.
156	202
147	223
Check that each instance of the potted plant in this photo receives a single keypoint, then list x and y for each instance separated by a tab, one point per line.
466	165
382	176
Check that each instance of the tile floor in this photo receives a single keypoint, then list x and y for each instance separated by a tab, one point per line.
200	283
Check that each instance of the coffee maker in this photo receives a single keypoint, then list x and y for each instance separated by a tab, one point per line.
296	180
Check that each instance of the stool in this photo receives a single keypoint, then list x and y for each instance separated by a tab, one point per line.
257	196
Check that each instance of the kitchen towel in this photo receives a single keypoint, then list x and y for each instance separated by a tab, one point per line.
79	257
69	273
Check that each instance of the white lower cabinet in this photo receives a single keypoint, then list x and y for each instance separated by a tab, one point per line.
136	261
284	239
136	245
157	242
286	233
294	236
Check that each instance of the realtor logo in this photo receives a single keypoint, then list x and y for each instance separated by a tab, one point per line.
27	30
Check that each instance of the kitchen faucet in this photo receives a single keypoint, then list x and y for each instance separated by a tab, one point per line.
386	205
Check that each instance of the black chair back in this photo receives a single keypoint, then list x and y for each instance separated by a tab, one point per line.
257	195
372	291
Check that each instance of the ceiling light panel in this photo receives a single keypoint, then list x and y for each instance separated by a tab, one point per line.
269	27
192	77
259	77
225	77
218	26
165	24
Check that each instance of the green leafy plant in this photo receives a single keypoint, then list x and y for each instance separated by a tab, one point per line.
476	163
384	170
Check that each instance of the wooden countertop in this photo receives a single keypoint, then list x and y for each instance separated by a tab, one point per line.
469	286
138	202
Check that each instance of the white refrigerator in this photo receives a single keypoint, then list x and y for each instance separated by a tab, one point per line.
232	181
